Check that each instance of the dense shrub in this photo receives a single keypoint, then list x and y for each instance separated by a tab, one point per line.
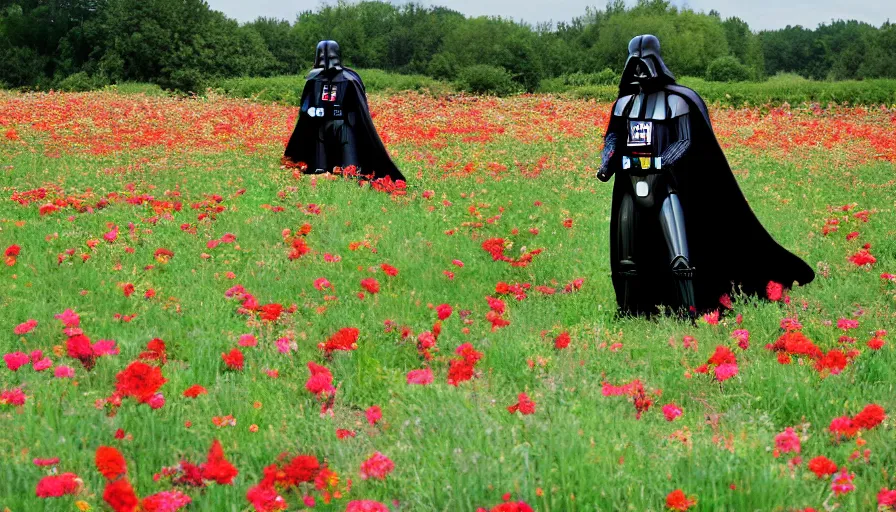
485	79
727	69
80	82
579	79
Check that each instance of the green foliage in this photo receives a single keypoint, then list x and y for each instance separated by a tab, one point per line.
287	89
727	69
579	79
184	45
790	89
80	82
485	79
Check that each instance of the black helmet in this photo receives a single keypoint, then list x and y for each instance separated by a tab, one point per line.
328	55
645	66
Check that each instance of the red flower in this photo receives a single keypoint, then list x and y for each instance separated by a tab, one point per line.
371	285
676	500
120	496
218	468
233	359
140	381
374	414
194	391
302	468
822	466
862	258
265	499
128	289
444	311
774	291
163	255
377	466
870	417
389	270
495	247
344	339
562	341
321	380
155	351
56	486
110	462
524	405
12	251
834	361
270	312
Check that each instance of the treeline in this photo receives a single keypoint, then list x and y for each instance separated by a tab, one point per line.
183	44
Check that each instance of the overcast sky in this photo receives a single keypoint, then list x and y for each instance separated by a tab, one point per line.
760	14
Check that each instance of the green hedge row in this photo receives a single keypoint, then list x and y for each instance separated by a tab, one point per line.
287	89
775	91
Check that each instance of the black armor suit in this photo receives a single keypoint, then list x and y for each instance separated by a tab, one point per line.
676	203
334	128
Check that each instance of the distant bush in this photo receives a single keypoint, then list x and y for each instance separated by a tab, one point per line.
287	88
727	69
80	82
485	79
579	79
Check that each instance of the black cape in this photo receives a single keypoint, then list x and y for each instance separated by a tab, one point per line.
729	249
306	137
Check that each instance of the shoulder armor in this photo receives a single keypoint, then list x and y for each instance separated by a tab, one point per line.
621	103
677	105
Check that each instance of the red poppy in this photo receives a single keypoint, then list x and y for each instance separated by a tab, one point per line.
371	285
233	359
523	405
822	466
676	500
121	496
140	381
110	462
216	467
194	391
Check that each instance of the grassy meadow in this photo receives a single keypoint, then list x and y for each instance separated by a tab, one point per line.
95	184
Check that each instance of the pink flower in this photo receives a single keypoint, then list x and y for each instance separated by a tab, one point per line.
743	338
846	324
105	348
156	401
16	360
69	318
247	340
284	345
166	501
377	466
365	506
444	311
422	377
725	371
25	327
321	283
42	364
64	372
457	263
842	483
374	414
671	411
787	441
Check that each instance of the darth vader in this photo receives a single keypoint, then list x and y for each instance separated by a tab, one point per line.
334	128
682	233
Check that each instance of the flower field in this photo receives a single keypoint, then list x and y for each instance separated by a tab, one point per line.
184	325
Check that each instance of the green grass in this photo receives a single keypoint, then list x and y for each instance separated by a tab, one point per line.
454	448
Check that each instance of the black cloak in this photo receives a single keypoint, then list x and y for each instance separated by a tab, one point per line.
312	135
729	249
